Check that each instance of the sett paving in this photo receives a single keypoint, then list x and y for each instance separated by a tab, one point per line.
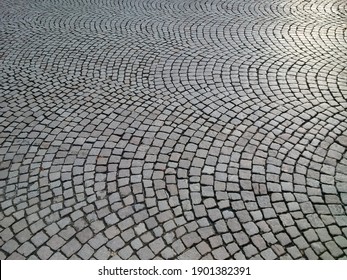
178	129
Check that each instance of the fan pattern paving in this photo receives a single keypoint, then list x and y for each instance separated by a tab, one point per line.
173	129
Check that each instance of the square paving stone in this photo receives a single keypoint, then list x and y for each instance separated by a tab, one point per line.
310	254
251	228
334	250
67	233
190	239
250	251
311	235
178	246
206	232
26	249
268	254
269	213
269	238
215	241
16	256
97	241
56	242
72	247
157	245
301	243
147	237
341	221
220	253
259	242
341	241
275	225
214	214
145	253
294	252
334	230
286	219
326	256
221	226
168	253
203	248
39	239
240	256
283	238
125	252
84	235
191	254
128	234
23	236
136	244
19	226
44	253
86	252
58	256
115	244
234	225
278	249
241	238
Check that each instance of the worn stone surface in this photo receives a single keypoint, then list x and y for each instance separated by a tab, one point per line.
173	129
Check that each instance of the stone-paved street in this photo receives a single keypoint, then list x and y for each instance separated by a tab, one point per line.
173	129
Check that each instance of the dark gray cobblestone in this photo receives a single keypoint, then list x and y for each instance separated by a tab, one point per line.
209	129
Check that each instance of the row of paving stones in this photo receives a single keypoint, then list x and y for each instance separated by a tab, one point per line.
173	129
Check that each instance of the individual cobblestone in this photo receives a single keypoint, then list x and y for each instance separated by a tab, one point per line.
44	253
71	247
86	252
174	130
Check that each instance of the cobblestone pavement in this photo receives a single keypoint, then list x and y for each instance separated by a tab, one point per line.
173	129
